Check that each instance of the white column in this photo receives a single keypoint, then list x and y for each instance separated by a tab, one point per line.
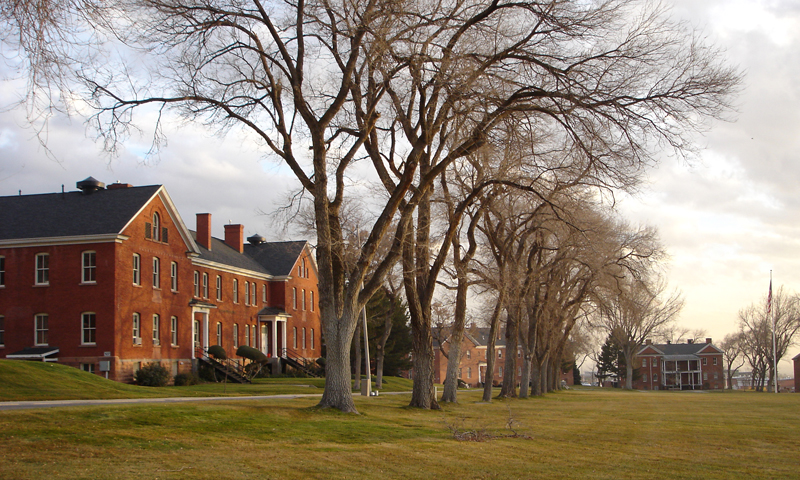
283	333
204	326
274	337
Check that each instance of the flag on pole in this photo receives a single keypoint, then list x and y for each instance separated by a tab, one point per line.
769	298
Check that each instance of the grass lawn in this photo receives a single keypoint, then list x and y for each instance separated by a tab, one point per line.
581	434
50	381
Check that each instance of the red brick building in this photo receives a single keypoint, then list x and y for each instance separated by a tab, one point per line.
472	366
108	279
679	366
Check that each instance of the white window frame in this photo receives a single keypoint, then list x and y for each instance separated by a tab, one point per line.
219	288
173	276
89	266
196	332
235	290
705	361
303	299
294	338
714	360
219	333
88	367
196	284
156	227
253	294
156	272
173	331
247	335
311	299
235	335
40	329
294	298
247	293
137	269
88	328
644	363
156	329
205	285
137	328
312	339
42	272
264	294
304	338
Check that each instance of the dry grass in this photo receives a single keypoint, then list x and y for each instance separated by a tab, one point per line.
594	434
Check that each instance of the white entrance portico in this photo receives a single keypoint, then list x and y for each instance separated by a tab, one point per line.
200	312
272	334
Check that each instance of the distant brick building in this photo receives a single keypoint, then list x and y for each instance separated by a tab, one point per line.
473	364
679	366
107	279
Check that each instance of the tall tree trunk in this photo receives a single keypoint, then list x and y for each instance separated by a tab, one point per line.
338	386
357	366
380	354
525	382
450	393
536	378
493	325
509	389
628	354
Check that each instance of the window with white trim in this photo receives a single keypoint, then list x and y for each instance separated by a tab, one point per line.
156	228
294	338
312	339
294	298
247	335
247	293
89	267
156	272
235	291
304	338
644	378
705	361
156	329
41	329
137	329
173	330
235	335
219	333
173	276
253	297
263	294
87	367
2	271
137	269
252	335
469	372
655	377
644	363
714	360
205	285
303	299
42	269
311	299
196	280
88	328
469	354
196	333
219	288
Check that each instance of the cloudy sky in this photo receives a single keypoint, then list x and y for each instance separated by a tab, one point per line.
727	219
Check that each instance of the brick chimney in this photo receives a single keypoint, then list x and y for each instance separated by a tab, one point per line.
648	342
117	185
234	237
708	339
204	230
690	341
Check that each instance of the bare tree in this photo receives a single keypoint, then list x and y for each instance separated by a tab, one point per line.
731	347
408	88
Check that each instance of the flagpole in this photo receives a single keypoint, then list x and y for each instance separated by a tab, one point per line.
774	346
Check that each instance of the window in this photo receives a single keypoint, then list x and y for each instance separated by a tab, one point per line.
253	336
247	293
519	353
253	294
499	354
205	285
705	375
705	361
644	363
714	360
501	371
655	377
312	339
247	335
235	291
219	333
303	299
89	267
235	335
294	298
196	333
716	376
156	272
156	329
41	329
137	329
2	331
644	378
156	228
87	367
137	269
219	288
173	330
304	338
263	294
311	299
3	272
88	328
460	373
173	276
196	283
294	337
469	372
42	269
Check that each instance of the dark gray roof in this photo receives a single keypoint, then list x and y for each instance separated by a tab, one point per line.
72	213
273	311
680	348
482	337
222	253
277	257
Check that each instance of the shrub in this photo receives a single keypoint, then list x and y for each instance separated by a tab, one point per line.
217	352
152	375
206	372
184	379
251	353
